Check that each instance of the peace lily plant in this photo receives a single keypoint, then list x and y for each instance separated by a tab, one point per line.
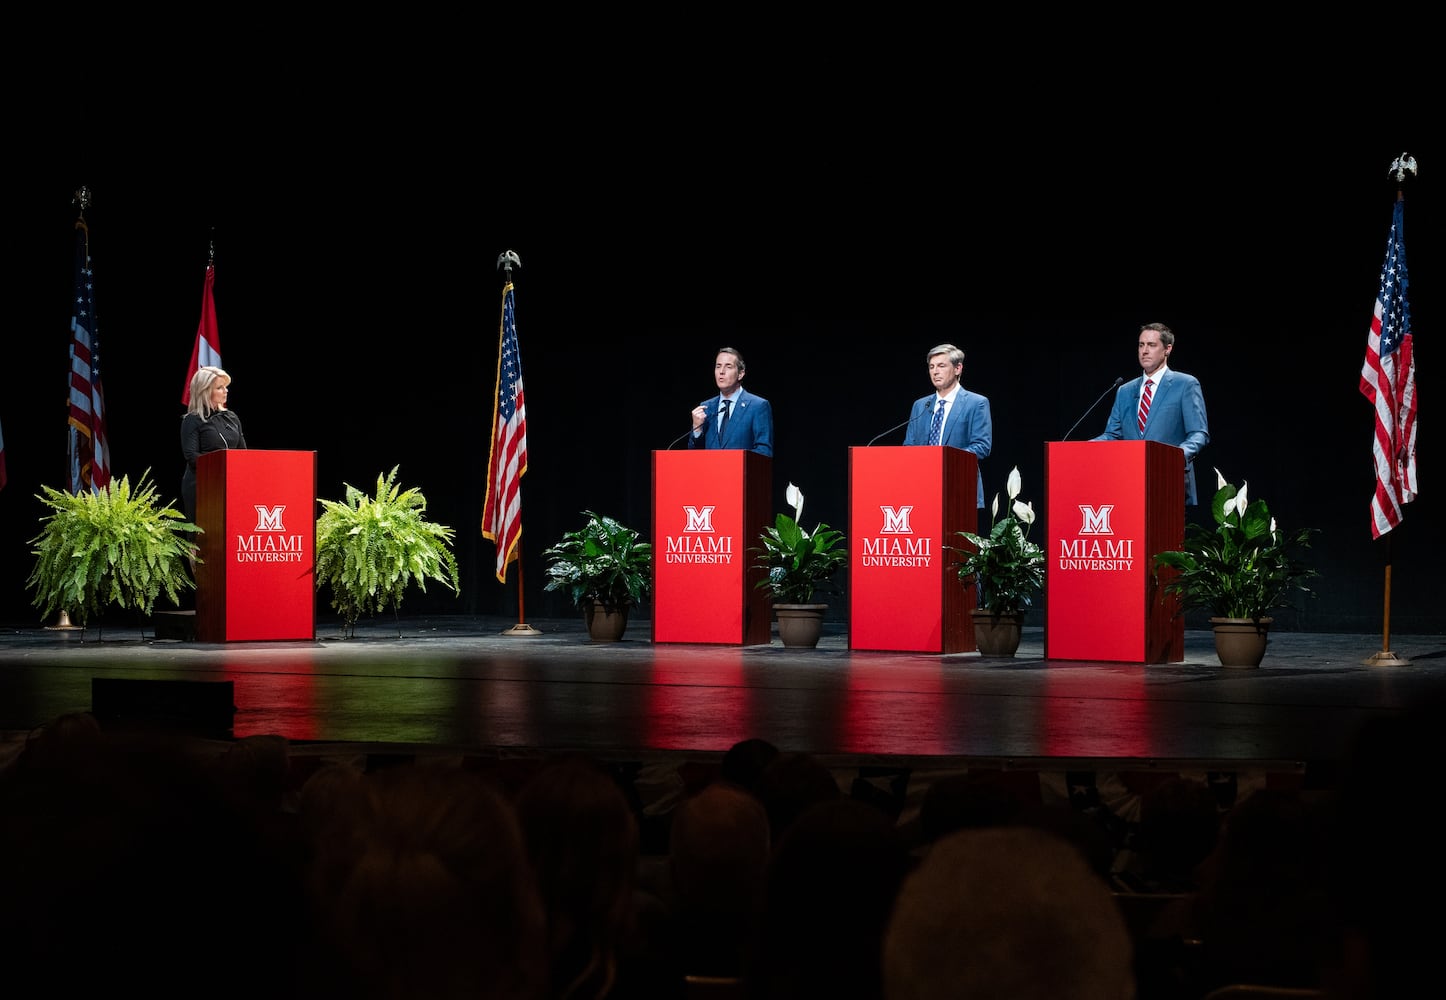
1006	566
1243	568
798	561
604	561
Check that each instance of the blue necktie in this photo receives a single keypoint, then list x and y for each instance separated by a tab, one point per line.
723	424
938	424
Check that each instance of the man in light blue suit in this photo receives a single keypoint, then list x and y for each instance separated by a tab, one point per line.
951	414
735	418
1172	412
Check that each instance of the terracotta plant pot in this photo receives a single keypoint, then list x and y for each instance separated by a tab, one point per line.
997	635
1240	642
605	624
800	624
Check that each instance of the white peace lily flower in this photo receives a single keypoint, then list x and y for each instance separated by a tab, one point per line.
794	496
1219	481
1240	501
1272	526
1014	483
994	507
1025	512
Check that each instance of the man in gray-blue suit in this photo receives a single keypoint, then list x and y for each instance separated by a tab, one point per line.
1161	405
735	418
951	414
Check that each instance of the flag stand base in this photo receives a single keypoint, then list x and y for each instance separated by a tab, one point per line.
62	624
1385	658
521	629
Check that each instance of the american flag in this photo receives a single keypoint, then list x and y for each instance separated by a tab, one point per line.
89	444
207	350
1388	379
502	508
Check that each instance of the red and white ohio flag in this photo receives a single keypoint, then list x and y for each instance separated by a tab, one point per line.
207	350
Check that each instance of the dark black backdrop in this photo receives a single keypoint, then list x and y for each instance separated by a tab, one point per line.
358	302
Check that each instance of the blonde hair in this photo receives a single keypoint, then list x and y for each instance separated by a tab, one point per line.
201	384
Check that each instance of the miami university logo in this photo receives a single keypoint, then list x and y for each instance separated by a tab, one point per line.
1095	521
269	518
896	520
698	520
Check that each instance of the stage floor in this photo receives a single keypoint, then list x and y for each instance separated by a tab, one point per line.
463	685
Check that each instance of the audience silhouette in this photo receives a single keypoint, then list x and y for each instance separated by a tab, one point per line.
718	861
432	894
791	783
425	878
606	937
124	865
831	885
1011	912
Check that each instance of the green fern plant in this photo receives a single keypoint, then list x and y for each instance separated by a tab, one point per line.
370	549
119	546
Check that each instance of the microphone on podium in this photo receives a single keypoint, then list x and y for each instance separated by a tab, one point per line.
888	432
928	408
683	435
1113	386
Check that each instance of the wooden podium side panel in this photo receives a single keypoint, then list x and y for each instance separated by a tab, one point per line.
961	513
905	504
708	510
258	511
1164	531
211	576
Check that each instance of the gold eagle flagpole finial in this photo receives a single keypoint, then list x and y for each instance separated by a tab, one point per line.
1400	165
507	260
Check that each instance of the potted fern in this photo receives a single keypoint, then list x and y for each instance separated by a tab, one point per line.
117	546
606	568
370	549
1006	568
798	563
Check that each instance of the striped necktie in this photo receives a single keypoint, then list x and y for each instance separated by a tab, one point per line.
723	423
1145	404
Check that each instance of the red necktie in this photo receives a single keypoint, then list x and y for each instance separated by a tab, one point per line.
1145	404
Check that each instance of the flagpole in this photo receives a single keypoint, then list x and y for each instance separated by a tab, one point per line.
83	199
505	261
521	629
1385	658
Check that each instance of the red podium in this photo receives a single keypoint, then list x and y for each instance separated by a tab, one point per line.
257	513
709	507
905	505
1112	505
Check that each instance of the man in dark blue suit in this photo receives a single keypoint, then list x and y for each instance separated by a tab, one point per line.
1172	412
951	414
735	418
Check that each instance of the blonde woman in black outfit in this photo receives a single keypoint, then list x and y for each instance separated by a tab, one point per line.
207	426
